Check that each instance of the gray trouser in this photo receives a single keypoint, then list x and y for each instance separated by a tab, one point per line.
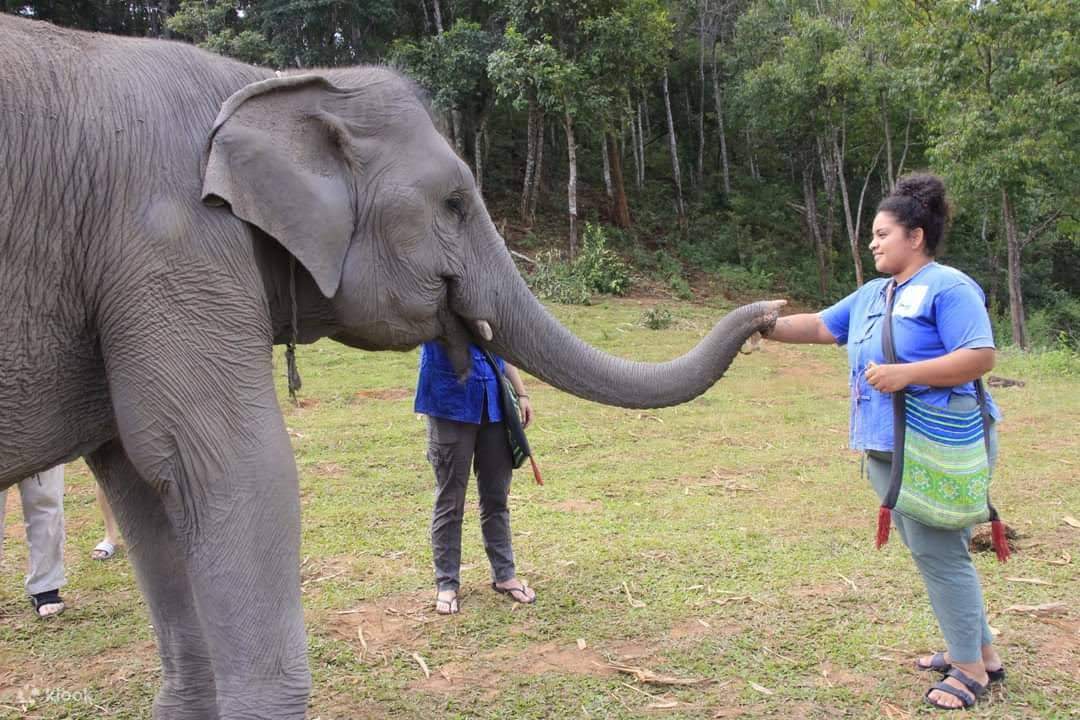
452	448
945	564
43	511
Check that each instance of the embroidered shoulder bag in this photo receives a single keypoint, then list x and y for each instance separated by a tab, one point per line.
941	466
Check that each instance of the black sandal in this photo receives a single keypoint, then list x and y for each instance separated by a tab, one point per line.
975	691
938	664
522	587
42	600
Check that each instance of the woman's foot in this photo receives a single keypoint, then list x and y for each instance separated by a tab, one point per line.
103	550
961	688
942	663
446	602
48	603
519	590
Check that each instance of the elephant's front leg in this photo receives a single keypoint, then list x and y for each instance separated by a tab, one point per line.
199	418
187	691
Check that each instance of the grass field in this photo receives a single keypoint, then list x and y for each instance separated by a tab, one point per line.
726	543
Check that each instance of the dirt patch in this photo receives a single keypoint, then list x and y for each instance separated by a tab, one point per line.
833	676
820	590
383	394
328	470
315	571
577	506
379	629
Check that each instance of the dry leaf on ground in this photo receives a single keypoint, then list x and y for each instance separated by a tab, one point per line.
581	644
648	676
1029	581
423	665
761	688
633	603
1053	608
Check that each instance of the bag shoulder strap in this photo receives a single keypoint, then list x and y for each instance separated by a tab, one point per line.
898	402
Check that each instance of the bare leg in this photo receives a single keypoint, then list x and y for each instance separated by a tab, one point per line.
187	691
112	532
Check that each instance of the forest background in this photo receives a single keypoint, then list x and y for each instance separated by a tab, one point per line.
737	146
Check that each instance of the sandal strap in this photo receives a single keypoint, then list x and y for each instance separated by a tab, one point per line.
937	663
977	689
966	698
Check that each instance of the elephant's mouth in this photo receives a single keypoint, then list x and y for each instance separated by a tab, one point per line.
458	333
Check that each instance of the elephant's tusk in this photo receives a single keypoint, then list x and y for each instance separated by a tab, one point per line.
485	330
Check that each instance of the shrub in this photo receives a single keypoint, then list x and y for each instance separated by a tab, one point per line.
657	318
554	280
600	269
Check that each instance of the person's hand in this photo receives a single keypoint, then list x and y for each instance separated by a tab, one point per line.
526	410
887	378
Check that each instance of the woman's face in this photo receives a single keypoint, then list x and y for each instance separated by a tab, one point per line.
895	248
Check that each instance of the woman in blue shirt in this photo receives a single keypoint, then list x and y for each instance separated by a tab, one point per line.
943	341
465	429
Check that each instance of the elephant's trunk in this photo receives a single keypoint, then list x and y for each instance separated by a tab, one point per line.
525	333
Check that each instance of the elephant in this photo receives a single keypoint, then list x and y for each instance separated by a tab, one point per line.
166	217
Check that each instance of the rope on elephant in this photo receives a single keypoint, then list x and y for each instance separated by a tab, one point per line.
292	373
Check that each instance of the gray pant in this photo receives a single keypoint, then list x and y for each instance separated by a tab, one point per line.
453	447
945	564
43	511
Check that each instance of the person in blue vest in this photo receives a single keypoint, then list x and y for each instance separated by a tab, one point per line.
944	342
465	429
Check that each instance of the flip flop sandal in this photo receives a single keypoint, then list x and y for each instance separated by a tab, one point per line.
938	664
107	550
967	699
522	588
47	604
451	605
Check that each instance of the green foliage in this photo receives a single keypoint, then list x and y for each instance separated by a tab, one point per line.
555	280
657	318
601	269
226	28
1057	324
597	269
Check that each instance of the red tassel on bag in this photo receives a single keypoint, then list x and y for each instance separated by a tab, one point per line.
536	471
884	520
1000	542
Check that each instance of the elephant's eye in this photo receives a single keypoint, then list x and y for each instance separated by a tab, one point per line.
456	205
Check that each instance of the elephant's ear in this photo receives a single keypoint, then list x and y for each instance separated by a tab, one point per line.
283	164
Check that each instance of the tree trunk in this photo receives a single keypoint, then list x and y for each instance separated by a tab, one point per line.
621	215
458	122
680	208
718	101
605	156
1016	295
634	142
538	170
891	178
571	182
689	128
427	17
750	156
438	17
907	144
810	209
829	177
853	233
530	163
701	95
641	148
478	151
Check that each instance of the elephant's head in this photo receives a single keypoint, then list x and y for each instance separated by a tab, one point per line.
347	172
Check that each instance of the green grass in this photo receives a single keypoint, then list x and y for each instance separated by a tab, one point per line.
738	522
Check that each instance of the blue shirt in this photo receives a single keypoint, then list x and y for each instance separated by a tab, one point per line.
440	394
937	310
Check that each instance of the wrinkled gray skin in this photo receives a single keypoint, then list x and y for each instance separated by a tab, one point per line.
145	250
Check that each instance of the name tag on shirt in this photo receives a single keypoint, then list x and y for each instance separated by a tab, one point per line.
910	300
